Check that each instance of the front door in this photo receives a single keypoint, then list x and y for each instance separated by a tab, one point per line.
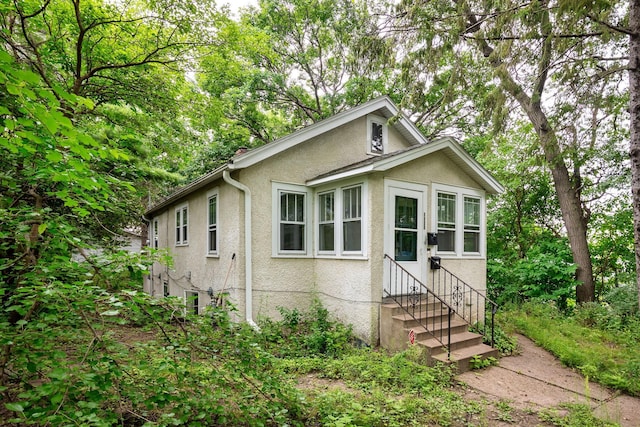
405	228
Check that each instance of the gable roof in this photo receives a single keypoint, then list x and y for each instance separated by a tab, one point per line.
447	145
382	106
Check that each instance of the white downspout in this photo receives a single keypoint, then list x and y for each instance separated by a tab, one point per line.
247	246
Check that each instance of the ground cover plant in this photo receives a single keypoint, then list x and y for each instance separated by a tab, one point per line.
124	358
598	339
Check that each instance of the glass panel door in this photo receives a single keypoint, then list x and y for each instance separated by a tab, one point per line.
406	228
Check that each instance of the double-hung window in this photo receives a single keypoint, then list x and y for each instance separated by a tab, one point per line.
352	219
155	234
182	225
446	222
326	221
459	218
212	224
471	224
191	302
340	216
291	215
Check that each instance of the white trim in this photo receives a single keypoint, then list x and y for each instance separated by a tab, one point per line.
460	193
264	152
184	207
210	194
371	118
338	221
447	145
395	187
276	189
186	302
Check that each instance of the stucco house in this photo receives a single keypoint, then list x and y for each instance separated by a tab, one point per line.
313	214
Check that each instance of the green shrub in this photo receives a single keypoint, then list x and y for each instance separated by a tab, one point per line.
307	333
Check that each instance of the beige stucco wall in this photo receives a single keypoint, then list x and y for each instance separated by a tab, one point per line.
351	289
193	269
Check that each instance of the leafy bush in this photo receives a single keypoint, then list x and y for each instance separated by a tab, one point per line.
306	333
546	273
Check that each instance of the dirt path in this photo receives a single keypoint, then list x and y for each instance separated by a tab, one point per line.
535	380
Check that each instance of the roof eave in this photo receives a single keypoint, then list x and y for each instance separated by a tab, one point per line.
197	184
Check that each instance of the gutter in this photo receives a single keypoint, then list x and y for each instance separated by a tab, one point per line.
226	176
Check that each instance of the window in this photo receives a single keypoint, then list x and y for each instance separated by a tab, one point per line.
340	216
212	224
326	224
352	219
406	228
291	215
446	222
459	218
471	224
165	288
155	234
376	135
191	302
182	225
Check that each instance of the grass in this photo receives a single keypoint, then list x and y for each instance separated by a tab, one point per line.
300	371
608	355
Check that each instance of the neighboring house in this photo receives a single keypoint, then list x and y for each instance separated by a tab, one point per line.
312	215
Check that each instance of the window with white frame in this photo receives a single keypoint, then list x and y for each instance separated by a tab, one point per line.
326	221
191	302
471	224
291	229
212	224
446	222
155	234
459	219
376	135
352	219
340	215
182	225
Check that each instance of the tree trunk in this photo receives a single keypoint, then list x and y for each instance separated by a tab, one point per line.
568	195
573	214
634	109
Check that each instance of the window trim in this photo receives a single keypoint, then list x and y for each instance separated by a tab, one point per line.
213	194
385	134
188	304
155	230
320	222
461	193
184	212
277	189
339	220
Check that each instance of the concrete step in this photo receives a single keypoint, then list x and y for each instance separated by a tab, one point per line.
430	317
438	328
397	309
458	341
462	357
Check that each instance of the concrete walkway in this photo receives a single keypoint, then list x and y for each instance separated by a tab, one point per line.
535	380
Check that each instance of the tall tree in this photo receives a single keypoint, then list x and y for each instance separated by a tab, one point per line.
634	108
554	65
131	59
289	63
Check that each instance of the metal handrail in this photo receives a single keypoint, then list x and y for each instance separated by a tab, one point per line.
463	298
425	307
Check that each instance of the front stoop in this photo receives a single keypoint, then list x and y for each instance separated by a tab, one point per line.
396	324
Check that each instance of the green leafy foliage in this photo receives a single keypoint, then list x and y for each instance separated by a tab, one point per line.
307	333
603	349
